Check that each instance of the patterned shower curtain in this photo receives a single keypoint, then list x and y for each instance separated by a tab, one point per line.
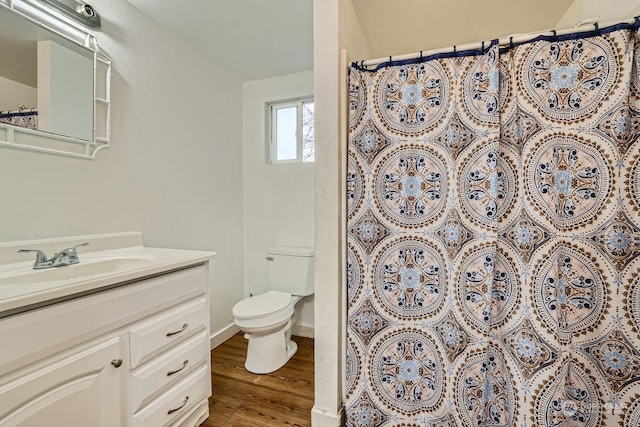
24	118
493	236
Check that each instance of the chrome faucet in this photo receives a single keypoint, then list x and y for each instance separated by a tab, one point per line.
66	256
41	259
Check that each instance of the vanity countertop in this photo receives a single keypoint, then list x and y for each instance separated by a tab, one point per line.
109	260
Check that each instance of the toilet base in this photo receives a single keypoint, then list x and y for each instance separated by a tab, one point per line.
291	349
270	352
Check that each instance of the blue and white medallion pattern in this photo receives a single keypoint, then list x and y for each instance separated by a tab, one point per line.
484	390
413	98
617	359
410	278
569	292
488	288
493	248
487	185
569	80
411	186
530	351
569	397
408	373
568	181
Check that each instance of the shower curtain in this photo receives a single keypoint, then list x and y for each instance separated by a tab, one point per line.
24	117
493	236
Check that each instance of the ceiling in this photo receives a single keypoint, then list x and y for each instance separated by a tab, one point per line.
264	38
254	39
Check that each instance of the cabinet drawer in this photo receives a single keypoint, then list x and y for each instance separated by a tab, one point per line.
177	401
196	417
166	328
168	368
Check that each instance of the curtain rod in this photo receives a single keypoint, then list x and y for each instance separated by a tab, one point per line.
20	111
581	27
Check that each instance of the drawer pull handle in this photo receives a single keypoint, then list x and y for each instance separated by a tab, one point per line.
184	327
116	363
184	365
184	402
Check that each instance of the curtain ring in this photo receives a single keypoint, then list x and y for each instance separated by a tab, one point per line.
595	24
362	64
483	45
420	54
555	33
511	41
455	49
389	58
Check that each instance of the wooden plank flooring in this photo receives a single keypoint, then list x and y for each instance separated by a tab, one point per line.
243	399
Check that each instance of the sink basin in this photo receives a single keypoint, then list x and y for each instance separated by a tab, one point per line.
89	266
114	259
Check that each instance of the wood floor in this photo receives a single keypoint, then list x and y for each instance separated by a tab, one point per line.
243	399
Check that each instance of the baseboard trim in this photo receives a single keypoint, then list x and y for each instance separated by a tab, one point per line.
320	418
303	331
221	335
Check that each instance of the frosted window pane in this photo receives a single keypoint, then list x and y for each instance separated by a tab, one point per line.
308	153
286	133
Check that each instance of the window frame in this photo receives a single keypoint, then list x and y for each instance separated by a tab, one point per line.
271	121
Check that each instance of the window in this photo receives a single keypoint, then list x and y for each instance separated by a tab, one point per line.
290	131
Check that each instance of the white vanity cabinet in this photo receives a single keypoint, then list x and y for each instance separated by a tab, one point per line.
131	354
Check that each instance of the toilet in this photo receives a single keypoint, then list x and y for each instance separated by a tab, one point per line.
266	319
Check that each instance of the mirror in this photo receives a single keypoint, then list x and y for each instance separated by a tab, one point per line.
54	83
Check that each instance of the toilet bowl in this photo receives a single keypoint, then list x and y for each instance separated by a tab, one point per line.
266	321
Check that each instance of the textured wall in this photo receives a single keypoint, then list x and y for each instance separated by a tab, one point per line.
606	11
336	27
278	199
174	170
15	93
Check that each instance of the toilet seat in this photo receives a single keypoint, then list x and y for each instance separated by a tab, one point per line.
271	303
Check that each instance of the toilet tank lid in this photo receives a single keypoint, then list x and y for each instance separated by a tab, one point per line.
291	251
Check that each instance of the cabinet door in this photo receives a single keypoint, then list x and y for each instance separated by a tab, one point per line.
84	389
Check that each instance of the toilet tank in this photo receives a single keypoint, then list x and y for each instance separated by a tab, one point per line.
290	270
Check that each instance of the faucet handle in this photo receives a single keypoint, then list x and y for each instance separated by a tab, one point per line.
67	256
74	249
41	258
72	252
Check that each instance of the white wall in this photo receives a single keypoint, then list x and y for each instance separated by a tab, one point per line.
350	35
278	199
174	170
607	11
335	27
14	94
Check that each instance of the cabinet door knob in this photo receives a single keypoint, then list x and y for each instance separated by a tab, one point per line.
116	363
185	326
184	365
171	411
